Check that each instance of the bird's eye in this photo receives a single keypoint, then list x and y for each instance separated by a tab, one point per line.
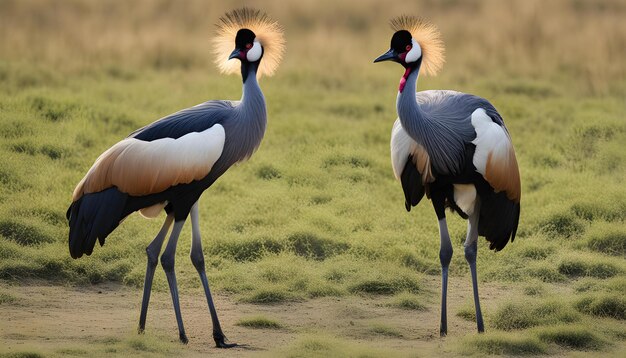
408	47
248	46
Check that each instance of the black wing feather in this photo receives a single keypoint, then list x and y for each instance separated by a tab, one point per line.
194	119
412	185
499	217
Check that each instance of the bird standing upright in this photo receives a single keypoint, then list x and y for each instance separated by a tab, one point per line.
454	148
171	162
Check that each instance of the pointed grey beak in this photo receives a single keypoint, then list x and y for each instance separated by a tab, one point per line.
389	55
235	54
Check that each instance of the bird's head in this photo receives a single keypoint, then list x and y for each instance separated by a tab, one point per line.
247	47
415	44
403	50
255	37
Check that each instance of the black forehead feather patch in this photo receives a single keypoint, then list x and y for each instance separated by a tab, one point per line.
244	37
400	40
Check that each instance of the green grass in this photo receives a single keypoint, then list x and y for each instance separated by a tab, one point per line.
503	344
269	296
77	352
23	233
537	252
259	322
311	246
562	225
385	285
467	312
385	330
7	298
608	238
319	345
522	315
604	305
575	337
534	289
316	211
592	267
22	355
145	345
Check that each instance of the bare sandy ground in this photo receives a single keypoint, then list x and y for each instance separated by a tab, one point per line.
61	320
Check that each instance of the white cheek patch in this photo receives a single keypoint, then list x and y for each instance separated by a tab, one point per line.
254	54
414	54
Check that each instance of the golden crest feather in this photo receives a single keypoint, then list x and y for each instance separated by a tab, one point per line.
268	32
427	36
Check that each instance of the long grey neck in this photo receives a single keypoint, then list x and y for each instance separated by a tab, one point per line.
250	118
244	127
252	106
411	116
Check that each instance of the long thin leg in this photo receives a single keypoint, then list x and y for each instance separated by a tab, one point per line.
153	250
445	256
167	261
197	258
471	251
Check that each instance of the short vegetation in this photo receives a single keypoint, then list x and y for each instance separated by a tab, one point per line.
259	322
316	212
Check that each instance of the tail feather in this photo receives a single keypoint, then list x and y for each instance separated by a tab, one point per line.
498	221
93	217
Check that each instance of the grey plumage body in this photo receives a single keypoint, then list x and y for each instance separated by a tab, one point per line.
440	120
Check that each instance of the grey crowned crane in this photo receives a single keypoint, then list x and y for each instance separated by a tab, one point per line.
168	164
454	148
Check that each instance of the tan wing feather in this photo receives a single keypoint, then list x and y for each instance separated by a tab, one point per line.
421	159
502	173
139	168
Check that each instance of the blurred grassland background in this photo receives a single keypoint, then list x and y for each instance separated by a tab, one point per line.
317	212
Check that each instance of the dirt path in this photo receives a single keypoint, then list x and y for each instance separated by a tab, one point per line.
76	320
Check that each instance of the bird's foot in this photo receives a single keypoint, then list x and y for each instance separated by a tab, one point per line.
141	330
183	338
443	332
221	341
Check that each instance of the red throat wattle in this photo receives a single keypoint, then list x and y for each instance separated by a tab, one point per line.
404	78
